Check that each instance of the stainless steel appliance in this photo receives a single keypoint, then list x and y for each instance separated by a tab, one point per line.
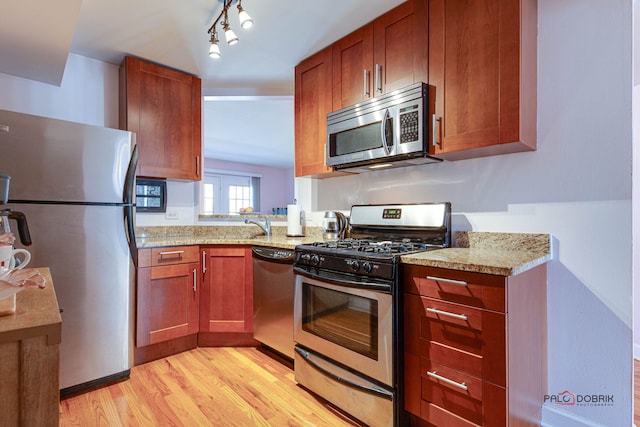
347	307
273	298
75	184
387	131
334	225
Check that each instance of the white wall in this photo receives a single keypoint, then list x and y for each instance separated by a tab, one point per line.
577	186
88	94
636	178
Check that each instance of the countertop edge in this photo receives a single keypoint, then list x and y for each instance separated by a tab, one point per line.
37	314
477	267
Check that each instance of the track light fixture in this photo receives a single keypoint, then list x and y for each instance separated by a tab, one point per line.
230	36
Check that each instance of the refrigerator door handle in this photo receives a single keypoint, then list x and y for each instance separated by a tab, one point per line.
129	202
130	178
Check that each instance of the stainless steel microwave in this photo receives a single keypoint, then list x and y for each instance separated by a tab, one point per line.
386	131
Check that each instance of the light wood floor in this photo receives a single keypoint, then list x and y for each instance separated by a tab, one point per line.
203	387
636	392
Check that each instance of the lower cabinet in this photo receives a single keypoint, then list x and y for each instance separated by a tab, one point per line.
190	296
474	347
168	294
226	298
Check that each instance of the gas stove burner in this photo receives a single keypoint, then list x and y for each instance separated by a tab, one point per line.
374	246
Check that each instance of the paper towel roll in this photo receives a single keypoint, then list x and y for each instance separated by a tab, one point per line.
294	221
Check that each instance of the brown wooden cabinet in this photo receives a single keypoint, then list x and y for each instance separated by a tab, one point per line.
387	54
352	68
30	359
474	347
164	108
168	289
482	64
312	104
226	299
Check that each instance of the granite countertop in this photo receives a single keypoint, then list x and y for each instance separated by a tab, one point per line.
37	314
504	254
149	237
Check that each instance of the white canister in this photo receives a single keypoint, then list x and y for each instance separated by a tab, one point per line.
295	221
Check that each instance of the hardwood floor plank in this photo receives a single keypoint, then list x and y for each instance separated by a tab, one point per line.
636	392
204	387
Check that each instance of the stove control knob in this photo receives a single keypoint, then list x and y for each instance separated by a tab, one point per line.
315	259
354	264
367	266
305	257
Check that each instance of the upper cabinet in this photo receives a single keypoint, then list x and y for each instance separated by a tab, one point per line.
482	64
478	57
312	104
384	55
164	108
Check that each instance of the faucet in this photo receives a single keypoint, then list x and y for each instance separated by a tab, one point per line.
266	227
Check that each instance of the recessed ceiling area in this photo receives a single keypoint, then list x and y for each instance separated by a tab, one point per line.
249	129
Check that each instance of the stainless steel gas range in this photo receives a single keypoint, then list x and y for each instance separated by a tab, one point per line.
347	307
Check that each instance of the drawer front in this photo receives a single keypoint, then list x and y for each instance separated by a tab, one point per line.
464	338
474	289
453	398
168	255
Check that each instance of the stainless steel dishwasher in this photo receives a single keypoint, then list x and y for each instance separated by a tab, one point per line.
273	284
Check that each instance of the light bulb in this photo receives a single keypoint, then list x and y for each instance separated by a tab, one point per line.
245	20
230	36
214	51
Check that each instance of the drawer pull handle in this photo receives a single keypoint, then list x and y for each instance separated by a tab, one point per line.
455	282
446	313
179	253
461	386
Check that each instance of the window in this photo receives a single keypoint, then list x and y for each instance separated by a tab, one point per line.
226	193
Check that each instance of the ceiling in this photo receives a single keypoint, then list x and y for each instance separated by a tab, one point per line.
37	35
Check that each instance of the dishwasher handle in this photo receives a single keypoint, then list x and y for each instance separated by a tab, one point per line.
278	255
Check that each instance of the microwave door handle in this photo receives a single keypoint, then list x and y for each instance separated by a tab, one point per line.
383	132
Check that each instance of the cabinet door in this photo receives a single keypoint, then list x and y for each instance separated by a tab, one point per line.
401	43
167	303
353	68
482	65
226	301
312	104
164	108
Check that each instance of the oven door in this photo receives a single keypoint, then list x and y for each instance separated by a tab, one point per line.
352	325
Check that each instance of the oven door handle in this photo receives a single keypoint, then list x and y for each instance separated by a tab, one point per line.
342	281
365	386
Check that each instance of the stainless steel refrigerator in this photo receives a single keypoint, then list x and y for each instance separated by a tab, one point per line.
75	184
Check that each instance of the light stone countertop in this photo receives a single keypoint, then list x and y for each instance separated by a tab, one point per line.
37	314
503	254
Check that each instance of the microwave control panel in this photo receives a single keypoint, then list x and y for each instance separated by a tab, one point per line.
409	124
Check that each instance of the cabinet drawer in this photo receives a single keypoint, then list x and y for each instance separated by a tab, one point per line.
453	398
478	290
168	255
464	338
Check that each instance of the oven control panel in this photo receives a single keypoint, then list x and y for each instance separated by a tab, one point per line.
395	213
347	264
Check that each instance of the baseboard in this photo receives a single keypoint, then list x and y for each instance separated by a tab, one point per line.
553	416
